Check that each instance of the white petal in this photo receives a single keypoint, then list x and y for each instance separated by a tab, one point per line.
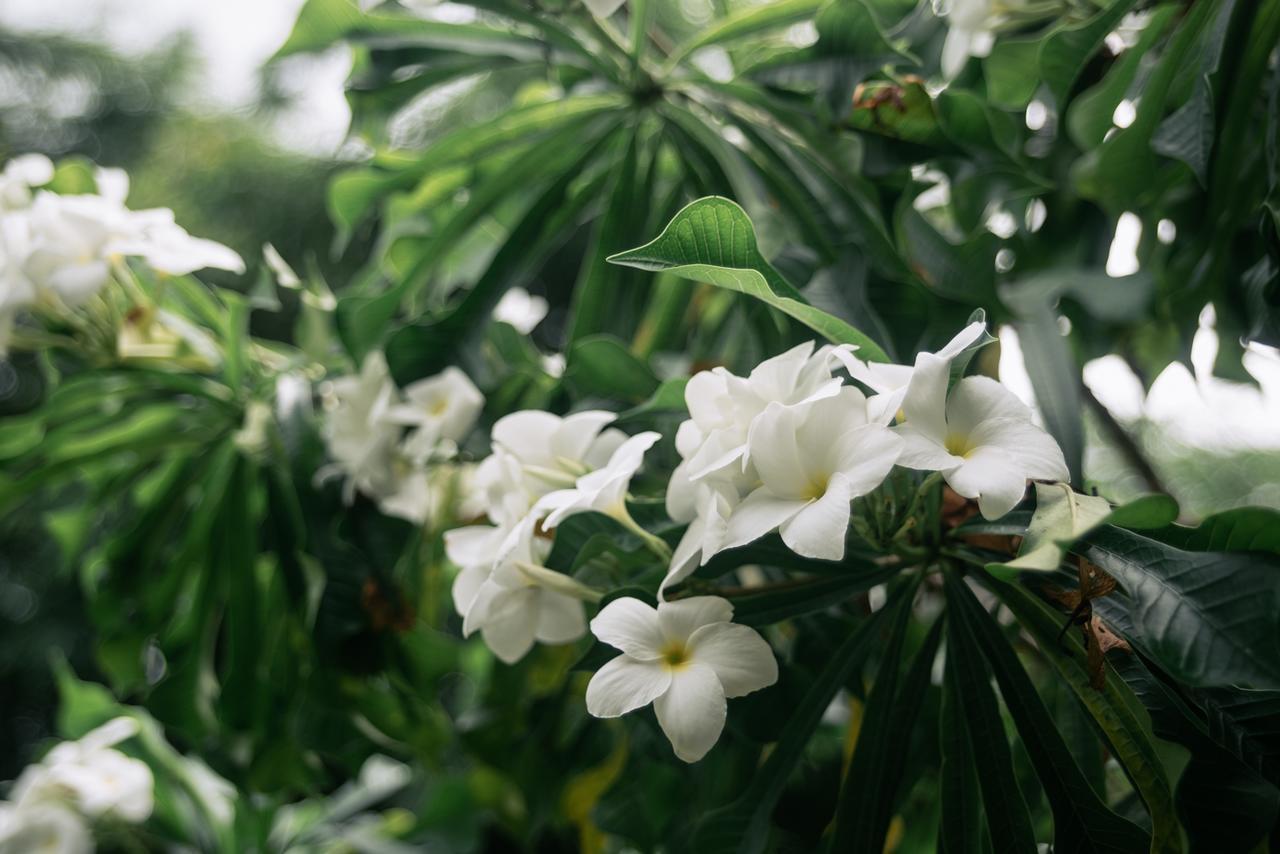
680	619
868	454
758	514
978	399
576	433
926	400
473	544
692	711
993	478
963	339
624	685
511	637
631	626
776	450
743	661
527	434
467	584
818	530
1031	449
923	452
685	559
560	618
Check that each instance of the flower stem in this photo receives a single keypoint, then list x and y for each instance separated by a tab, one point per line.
652	542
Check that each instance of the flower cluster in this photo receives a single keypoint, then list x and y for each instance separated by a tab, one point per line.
383	439
58	251
788	447
53	803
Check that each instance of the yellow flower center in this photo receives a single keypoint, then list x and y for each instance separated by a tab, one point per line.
675	655
817	487
958	445
439	406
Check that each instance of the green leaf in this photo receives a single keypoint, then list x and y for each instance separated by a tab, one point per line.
1005	810
1244	529
1114	709
746	21
962	829
1066	50
667	398
602	366
1082	821
742	826
806	596
962	272
1063	516
873	781
712	241
1011	72
1209	618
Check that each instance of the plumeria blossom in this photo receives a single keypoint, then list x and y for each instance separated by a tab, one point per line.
686	657
970	32
90	774
603	490
510	599
521	310
360	435
20	176
891	382
51	828
443	407
813	461
980	436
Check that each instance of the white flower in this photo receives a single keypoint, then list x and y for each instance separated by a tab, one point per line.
892	382
442	407
723	406
603	490
50	828
706	533
503	590
685	657
812	461
285	275
980	436
167	248
20	175
216	794
520	309
970	32
360	436
91	775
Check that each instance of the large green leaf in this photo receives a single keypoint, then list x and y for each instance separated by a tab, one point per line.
1209	618
1082	821
1114	709
1064	52
1003	805
712	241
871	785
1244	529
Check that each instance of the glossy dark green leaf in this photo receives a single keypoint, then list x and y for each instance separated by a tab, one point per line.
602	366
1244	529
805	596
1082	821
1064	51
1209	618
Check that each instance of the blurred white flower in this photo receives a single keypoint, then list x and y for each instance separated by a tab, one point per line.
91	776
980	436
813	460
216	794
20	176
970	32
505	593
50	828
520	309
685	657
285	275
603	490
554	364
442	407
360	436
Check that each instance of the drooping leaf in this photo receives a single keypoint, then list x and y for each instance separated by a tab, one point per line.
712	240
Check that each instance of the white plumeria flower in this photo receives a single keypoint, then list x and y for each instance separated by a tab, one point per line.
980	436
360	436
970	32
442	407
705	535
20	176
891	382
521	310
89	774
50	828
813	461
167	248
723	406
685	657
603	490
512	600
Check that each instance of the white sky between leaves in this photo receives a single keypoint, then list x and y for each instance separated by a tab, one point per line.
234	37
